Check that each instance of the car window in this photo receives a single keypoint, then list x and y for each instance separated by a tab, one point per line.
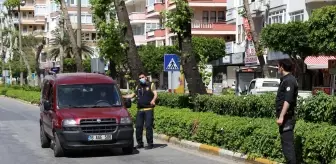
252	85
270	84
88	96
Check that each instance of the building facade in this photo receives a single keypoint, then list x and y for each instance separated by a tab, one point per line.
266	12
208	20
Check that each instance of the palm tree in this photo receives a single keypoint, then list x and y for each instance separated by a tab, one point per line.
57	43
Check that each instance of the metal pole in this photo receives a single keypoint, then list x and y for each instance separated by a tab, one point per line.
79	27
20	45
171	82
62	48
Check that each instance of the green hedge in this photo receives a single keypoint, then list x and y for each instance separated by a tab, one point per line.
253	136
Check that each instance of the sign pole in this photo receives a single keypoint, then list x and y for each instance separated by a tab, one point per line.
171	82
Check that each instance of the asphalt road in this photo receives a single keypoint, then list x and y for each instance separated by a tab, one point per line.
20	144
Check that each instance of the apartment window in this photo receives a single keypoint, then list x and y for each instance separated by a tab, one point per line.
297	15
85	3
73	18
205	17
277	17
53	7
40	10
35	28
221	16
93	36
25	29
138	30
43	28
152	26
213	16
73	2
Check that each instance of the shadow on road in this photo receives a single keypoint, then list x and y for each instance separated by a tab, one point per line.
160	146
105	152
99	153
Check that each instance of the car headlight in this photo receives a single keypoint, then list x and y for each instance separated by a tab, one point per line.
125	120
69	122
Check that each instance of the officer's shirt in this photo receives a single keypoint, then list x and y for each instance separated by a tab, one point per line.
287	91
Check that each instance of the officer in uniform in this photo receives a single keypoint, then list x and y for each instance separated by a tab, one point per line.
286	100
146	96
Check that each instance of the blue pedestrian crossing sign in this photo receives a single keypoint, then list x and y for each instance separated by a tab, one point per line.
171	62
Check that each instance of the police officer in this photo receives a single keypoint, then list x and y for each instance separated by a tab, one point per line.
285	109
146	95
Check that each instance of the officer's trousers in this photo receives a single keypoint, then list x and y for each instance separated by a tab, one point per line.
287	140
147	117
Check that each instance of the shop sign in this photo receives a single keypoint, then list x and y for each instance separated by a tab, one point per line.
250	54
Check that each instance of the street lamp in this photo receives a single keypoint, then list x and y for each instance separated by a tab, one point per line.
22	3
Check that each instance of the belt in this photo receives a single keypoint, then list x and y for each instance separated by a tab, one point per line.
144	109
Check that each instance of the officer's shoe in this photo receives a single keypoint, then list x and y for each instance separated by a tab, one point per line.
149	146
140	146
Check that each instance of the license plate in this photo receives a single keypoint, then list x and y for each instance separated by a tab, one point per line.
99	137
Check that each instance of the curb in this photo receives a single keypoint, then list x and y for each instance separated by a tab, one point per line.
212	150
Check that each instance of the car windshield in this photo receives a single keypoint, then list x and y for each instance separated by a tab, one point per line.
88	96
270	84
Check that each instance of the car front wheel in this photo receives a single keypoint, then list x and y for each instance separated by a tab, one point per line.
45	141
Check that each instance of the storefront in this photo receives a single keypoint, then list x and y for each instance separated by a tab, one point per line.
321	78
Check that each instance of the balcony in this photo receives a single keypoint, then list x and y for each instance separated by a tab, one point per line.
212	28
200	3
137	17
154	10
156	34
140	39
30	20
26	7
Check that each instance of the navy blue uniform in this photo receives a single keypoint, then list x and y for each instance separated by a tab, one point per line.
145	112
288	91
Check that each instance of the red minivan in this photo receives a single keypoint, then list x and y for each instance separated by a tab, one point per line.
84	111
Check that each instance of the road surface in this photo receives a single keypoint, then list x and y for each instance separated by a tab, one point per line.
20	144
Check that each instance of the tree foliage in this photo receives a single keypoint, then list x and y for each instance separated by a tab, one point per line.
290	38
208	48
152	57
57	41
111	44
10	4
322	30
178	20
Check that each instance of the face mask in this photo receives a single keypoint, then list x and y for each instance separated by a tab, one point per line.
142	81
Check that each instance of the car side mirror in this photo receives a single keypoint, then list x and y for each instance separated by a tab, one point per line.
46	105
128	102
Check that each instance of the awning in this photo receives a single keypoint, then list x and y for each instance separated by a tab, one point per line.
318	62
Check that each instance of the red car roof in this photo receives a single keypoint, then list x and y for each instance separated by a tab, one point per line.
80	78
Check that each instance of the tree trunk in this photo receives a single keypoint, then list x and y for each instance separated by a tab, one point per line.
25	60
255	39
113	70
71	34
189	64
133	58
39	49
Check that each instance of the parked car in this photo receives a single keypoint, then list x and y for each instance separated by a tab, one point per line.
84	111
263	85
